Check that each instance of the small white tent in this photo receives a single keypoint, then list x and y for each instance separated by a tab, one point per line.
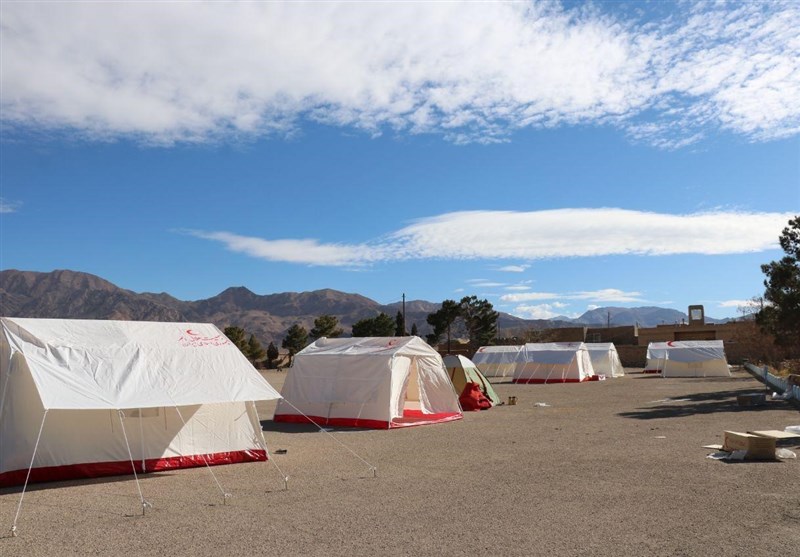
605	359
554	362
688	358
372	382
497	361
99	398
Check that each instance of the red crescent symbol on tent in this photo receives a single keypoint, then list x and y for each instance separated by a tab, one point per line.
669	343
190	332
480	349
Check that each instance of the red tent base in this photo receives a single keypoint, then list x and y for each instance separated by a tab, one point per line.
122	468
410	418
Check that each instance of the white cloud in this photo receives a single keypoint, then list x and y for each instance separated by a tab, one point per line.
608	295
750	304
514	268
540	311
163	72
518	287
8	206
494	235
604	295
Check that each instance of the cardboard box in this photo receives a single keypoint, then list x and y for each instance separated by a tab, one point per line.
757	447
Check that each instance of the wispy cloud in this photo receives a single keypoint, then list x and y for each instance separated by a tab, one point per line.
518	287
484	283
497	235
750	304
514	268
604	295
468	71
9	206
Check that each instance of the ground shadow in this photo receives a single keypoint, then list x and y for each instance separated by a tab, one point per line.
288	427
702	403
77	482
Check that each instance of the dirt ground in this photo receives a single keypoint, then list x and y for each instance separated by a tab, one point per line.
608	468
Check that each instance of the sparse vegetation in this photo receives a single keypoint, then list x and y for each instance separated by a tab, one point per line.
325	326
379	326
296	339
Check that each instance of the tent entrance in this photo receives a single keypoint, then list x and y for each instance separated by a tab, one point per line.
411	405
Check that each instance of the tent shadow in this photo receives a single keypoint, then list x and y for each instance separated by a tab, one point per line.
287	427
702	403
78	482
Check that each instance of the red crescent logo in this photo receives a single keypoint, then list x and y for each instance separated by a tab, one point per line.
190	332
669	343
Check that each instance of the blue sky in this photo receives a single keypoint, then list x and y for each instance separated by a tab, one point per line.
551	158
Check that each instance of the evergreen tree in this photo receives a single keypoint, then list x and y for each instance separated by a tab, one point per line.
296	339
781	315
255	351
414	330
379	326
237	336
325	326
441	321
399	325
480	319
272	354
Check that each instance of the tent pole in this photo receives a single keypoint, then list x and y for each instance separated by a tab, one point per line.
145	503
27	477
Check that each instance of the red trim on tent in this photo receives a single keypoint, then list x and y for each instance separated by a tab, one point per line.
410	418
123	467
651	371
544	381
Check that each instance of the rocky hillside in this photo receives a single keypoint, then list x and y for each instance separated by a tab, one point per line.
71	294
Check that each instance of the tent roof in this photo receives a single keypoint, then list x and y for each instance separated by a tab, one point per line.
600	346
458	361
502	348
385	347
554	346
91	364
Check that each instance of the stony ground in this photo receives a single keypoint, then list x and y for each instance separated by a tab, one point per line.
608	468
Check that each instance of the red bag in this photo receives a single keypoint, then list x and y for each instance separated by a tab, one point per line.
472	398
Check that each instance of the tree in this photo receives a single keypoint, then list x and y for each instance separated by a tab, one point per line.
237	336
296	339
379	326
399	325
325	326
441	321
255	351
414	330
480	319
272	354
781	313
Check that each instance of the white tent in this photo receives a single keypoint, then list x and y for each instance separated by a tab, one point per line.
497	361
368	382
605	359
554	362
688	358
86	398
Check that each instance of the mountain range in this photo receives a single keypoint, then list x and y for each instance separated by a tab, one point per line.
77	295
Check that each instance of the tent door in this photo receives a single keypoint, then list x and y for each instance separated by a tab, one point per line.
411	395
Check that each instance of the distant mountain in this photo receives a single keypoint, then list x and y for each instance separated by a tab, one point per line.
71	294
649	316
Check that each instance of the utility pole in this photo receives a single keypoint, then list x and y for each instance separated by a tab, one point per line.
404	315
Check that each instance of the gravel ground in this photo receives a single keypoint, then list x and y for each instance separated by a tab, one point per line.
605	469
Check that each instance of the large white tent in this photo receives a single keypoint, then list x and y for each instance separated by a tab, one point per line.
374	382
688	358
554	362
497	361
86	398
605	359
